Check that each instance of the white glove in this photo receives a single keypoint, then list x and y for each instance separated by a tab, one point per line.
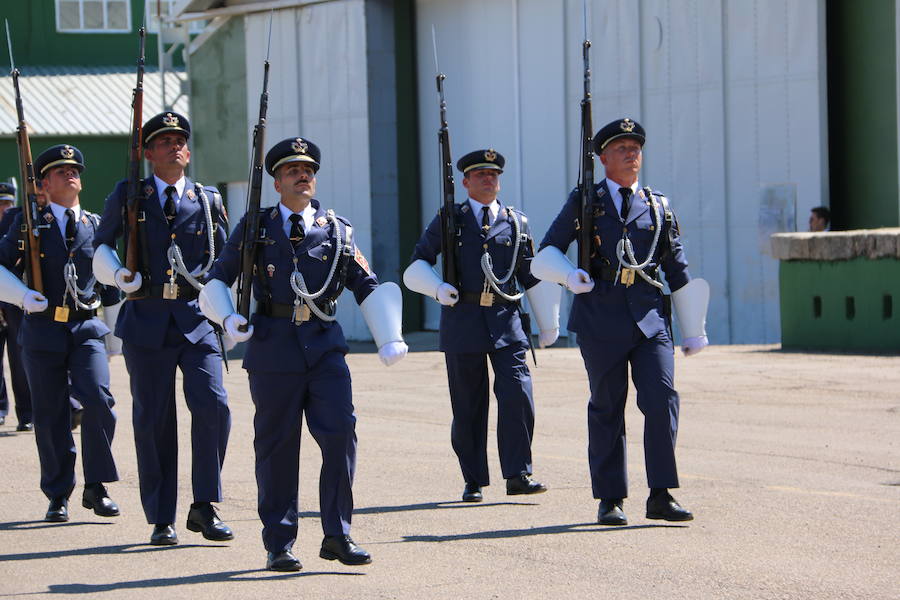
693	345
447	294
546	338
579	281
392	352
231	324
123	285
34	302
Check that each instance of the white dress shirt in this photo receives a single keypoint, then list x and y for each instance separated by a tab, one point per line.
59	213
161	190
308	213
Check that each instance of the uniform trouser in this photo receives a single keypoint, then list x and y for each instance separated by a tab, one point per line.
152	372
469	398
653	374
20	391
324	394
50	374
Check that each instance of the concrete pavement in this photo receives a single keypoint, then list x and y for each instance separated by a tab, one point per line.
790	462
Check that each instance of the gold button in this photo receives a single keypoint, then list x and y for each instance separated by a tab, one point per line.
652	228
168	271
173	236
42	255
324	257
485	246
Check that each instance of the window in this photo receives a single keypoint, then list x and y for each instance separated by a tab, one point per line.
93	16
164	8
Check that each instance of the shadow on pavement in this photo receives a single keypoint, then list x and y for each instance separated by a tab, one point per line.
376	510
550	529
119	549
225	576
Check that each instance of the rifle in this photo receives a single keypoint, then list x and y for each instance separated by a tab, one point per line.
134	245
30	241
250	236
448	203
586	168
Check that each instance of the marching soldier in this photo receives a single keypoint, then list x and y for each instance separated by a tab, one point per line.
295	355
182	225
482	321
10	317
622	317
62	338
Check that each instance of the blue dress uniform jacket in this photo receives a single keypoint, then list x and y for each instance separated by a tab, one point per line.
13	315
160	336
617	325
297	369
470	327
471	334
57	353
147	320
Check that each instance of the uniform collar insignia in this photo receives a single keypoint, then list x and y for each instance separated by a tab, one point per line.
465	207
601	192
48	216
190	194
274	213
148	190
84	218
321	221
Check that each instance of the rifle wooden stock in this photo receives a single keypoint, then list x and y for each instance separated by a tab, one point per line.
586	185
254	197
448	200
31	240
134	194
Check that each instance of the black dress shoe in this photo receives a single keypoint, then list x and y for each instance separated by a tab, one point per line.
203	518
523	484
163	535
282	561
97	498
472	493
25	427
611	513
661	505
344	549
58	511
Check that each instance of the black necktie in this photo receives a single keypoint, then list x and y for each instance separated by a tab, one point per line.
626	194
170	208
485	220
70	227
297	232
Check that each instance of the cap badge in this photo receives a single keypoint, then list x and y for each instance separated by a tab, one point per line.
627	125
490	155
299	146
170	120
67	152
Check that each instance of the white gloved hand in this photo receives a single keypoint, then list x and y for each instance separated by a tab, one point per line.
392	352
546	338
579	281
447	294
34	302
231	324
125	286
693	345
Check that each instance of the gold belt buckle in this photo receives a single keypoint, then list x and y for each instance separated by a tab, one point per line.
487	299
301	314
170	291
627	277
61	314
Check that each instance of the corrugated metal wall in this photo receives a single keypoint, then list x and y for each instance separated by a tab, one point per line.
731	92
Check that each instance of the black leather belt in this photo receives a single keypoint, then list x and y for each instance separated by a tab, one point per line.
607	273
286	311
475	298
185	292
65	314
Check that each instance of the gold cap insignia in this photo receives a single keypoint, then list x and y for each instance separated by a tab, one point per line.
299	146
490	155
627	125
67	152
170	120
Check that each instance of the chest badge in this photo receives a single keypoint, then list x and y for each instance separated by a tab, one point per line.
270	269
148	190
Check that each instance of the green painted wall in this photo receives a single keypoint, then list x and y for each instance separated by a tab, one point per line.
870	287
862	113
106	161
220	137
36	41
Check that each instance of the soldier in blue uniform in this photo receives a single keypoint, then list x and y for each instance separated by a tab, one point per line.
62	338
305	257
482	321
10	317
622	317
181	226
